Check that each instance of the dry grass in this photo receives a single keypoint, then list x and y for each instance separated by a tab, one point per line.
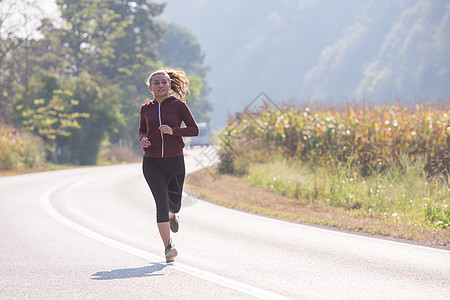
4	173
234	192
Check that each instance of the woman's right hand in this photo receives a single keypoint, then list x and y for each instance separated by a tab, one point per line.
145	142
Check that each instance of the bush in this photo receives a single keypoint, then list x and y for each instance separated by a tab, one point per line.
20	150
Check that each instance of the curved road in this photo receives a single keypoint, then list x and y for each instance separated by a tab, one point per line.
91	233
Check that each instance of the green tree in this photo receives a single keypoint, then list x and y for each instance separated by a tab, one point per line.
200	106
88	34
16	36
181	49
101	100
50	113
135	50
135	57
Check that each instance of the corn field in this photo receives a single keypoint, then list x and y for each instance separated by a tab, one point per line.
371	138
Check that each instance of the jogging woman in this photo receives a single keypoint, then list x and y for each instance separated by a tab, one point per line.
160	133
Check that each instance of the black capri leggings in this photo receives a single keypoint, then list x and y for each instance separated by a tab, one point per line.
165	177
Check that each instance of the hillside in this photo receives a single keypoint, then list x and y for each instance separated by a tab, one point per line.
369	50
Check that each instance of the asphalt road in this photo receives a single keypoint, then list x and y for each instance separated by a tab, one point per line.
90	233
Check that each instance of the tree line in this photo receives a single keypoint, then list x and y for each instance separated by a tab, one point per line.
82	81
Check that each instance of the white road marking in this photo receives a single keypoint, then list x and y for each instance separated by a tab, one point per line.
225	282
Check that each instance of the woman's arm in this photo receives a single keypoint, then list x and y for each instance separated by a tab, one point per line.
191	128
142	125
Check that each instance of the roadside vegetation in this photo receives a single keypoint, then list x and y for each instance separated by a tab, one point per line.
403	194
19	150
384	165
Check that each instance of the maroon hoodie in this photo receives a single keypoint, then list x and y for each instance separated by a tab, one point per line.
172	112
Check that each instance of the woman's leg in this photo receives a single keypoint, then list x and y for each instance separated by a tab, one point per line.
156	180
164	232
175	184
175	191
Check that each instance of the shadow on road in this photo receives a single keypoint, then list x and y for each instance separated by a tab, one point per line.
129	273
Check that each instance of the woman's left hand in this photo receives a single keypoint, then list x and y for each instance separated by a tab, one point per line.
166	129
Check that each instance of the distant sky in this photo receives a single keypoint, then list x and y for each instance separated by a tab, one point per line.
48	9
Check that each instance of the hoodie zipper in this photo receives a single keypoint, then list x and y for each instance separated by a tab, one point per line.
162	135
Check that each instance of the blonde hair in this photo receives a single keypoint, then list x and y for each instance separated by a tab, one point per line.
179	83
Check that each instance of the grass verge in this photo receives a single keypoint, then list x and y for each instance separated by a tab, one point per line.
237	193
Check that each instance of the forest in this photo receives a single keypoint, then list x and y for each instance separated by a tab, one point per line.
72	88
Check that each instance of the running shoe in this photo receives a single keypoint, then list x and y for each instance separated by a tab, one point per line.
174	223
171	252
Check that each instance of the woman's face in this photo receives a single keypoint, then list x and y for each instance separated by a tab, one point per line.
160	85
